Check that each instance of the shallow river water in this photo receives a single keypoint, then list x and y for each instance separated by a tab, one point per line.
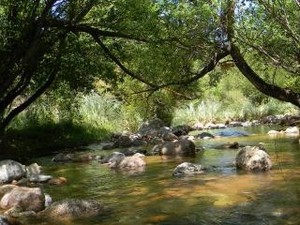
222	196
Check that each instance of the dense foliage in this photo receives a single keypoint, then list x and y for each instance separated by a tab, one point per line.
148	55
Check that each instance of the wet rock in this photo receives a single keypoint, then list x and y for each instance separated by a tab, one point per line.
231	145
187	169
33	169
232	133
48	200
204	135
275	132
181	147
133	162
130	152
58	181
253	158
24	199
69	209
39	178
114	159
292	130
11	170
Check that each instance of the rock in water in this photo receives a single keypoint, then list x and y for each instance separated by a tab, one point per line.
11	170
253	158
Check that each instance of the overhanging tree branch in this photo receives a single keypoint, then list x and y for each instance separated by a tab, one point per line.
274	91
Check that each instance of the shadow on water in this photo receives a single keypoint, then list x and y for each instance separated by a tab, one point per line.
222	196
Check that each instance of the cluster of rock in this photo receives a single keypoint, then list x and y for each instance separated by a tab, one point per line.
248	158
22	196
291	131
285	120
13	171
150	133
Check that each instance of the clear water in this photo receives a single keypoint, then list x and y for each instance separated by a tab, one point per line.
222	196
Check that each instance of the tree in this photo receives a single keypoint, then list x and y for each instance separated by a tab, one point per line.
163	44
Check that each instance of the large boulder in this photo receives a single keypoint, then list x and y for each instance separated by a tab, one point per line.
187	169
69	209
11	170
253	158
182	147
24	199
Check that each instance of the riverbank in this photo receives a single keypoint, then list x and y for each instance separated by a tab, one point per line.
37	141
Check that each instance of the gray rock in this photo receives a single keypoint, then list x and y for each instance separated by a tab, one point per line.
33	169
11	170
253	158
133	162
187	169
69	209
182	147
114	159
232	133
39	178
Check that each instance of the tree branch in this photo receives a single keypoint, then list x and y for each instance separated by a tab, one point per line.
116	60
266	88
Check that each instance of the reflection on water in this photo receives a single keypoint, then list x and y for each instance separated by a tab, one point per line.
221	196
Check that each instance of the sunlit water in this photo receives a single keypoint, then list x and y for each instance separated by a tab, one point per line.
223	195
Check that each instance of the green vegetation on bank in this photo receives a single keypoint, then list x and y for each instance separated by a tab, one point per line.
54	122
72	72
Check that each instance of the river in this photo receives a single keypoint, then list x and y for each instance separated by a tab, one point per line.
222	196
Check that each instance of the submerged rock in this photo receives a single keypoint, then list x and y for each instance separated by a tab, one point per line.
187	169
204	135
232	133
72	209
253	158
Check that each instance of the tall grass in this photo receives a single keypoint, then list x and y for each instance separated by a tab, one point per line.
213	110
50	123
